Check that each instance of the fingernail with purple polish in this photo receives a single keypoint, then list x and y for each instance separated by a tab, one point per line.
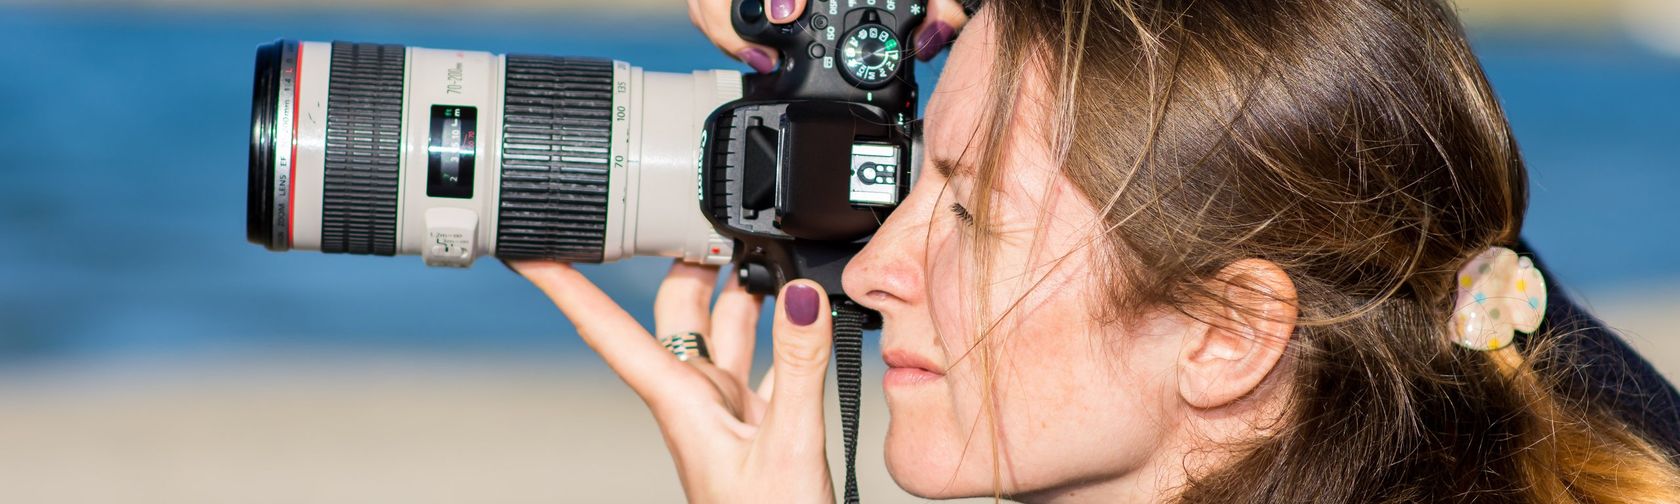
932	39
756	58
801	304
781	9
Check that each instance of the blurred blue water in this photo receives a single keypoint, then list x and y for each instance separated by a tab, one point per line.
125	134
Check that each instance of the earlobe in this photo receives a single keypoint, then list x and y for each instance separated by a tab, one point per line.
1245	337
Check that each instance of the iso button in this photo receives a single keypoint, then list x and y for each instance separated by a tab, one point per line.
451	236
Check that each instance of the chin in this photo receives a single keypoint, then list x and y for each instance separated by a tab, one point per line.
925	468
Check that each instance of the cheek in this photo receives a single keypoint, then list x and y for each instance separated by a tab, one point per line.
1076	400
952	308
1071	395
1089	401
950	295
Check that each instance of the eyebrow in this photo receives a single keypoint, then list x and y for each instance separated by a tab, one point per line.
948	168
945	166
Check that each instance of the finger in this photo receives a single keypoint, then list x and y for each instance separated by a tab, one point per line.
949	11
767	386
944	19
785	11
735	329
625	346
712	18
803	338
694	10
682	303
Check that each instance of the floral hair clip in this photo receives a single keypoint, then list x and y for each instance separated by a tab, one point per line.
1498	292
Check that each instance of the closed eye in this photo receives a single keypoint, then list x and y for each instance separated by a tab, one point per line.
962	214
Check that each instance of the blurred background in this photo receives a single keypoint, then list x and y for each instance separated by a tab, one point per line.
149	354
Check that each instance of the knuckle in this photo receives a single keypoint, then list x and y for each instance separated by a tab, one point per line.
676	401
718	28
679	297
803	353
721	39
684	289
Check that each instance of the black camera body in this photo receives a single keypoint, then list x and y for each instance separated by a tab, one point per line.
803	168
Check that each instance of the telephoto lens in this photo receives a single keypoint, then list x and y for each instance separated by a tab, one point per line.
451	155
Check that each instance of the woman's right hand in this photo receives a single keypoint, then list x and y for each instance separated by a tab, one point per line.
944	19
731	444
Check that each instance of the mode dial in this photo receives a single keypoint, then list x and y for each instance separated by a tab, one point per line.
870	55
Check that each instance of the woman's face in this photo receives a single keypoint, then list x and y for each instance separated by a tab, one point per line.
1078	404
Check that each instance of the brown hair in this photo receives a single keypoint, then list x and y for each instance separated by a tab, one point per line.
1357	145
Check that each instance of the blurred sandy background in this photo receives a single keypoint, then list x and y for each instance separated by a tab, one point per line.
149	355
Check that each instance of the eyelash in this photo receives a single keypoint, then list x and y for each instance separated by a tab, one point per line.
962	214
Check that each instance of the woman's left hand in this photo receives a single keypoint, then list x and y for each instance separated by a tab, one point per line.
730	443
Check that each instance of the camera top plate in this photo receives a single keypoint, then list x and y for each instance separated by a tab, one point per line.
847	50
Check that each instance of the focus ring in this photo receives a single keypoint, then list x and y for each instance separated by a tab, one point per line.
556	150
363	152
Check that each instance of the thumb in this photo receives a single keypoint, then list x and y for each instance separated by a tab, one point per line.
803	336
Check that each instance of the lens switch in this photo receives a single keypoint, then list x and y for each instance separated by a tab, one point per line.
451	234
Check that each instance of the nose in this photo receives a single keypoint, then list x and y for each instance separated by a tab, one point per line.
889	272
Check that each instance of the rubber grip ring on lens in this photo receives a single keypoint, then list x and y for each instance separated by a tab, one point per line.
556	166
363	152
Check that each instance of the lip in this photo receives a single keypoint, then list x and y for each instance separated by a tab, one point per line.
906	369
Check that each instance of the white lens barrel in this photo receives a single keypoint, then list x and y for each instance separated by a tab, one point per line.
662	214
451	155
311	144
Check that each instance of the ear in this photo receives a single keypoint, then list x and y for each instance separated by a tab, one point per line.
1245	337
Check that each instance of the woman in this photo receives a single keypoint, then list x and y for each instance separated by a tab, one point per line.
1210	251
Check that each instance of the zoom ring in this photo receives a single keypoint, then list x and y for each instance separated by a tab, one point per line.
364	133
556	151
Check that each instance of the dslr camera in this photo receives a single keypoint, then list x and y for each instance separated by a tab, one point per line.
451	155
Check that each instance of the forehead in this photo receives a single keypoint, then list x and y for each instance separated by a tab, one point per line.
958	102
955	122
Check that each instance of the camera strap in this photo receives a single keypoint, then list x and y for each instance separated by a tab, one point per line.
849	319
